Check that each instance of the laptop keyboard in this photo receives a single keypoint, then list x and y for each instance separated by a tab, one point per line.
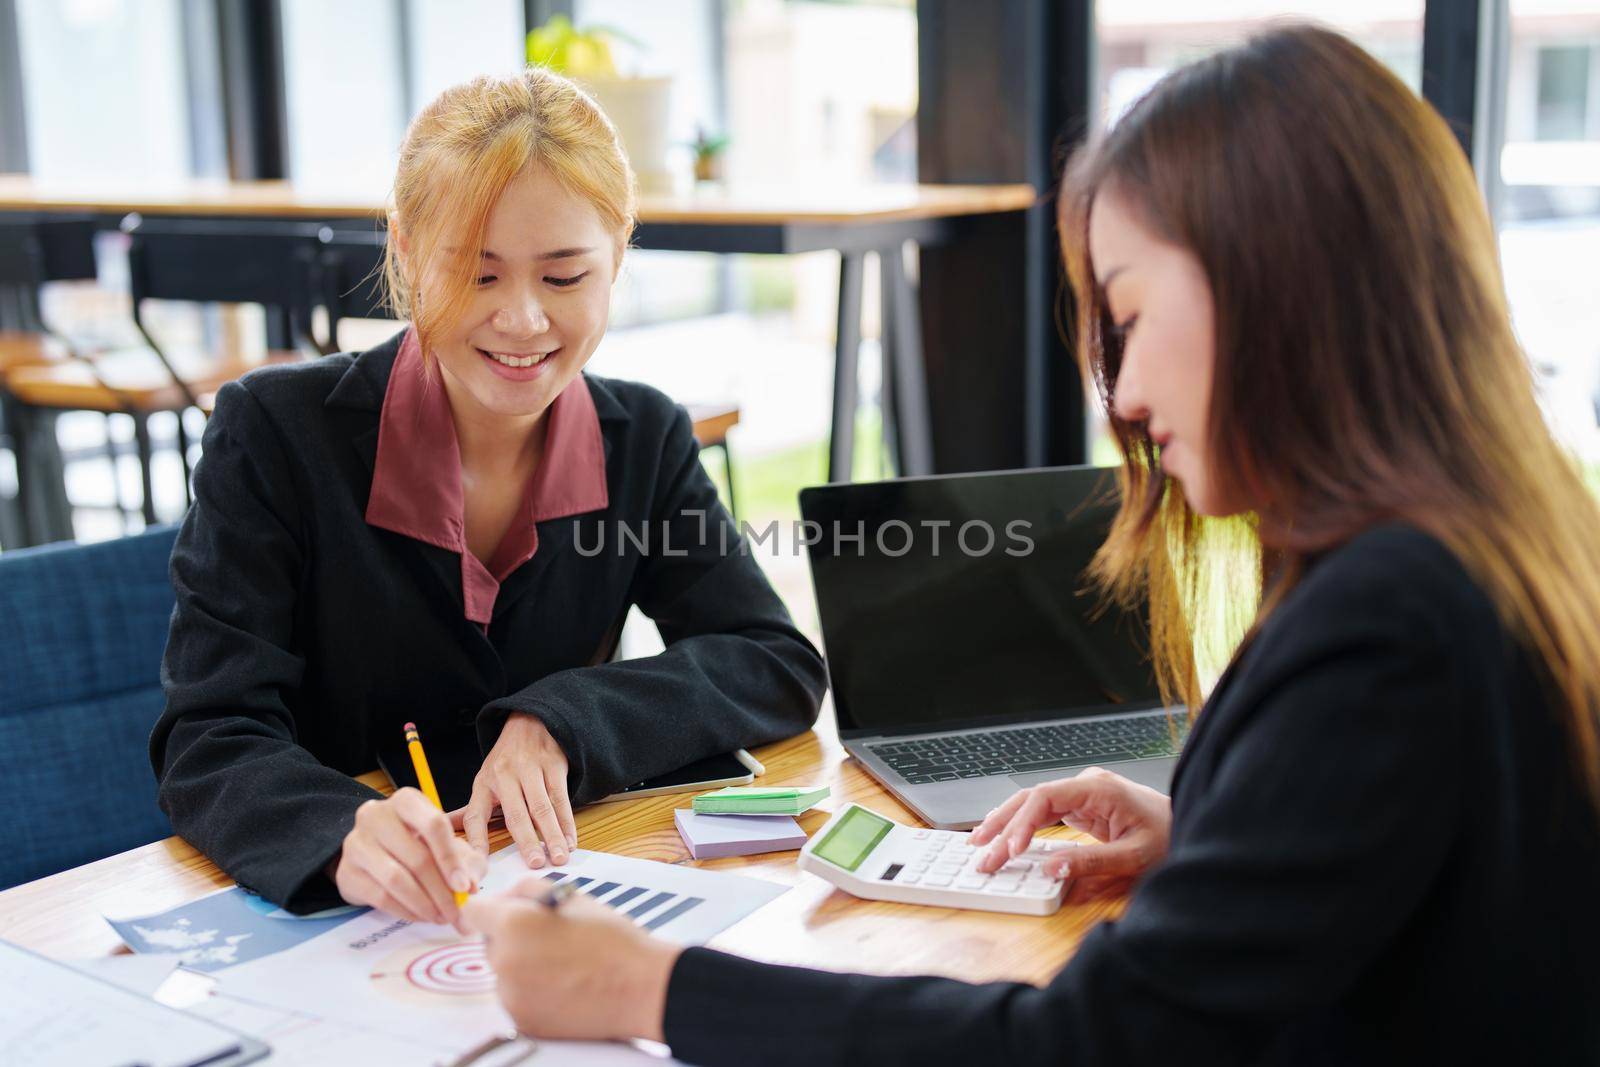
1035	748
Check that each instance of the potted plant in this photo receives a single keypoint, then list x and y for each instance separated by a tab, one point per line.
639	107
708	155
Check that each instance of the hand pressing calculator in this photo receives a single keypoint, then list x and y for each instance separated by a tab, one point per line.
870	856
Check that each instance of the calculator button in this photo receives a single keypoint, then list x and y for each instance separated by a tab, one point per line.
1016	866
935	845
1003	885
942	835
951	869
919	866
959	850
936	879
1040	889
909	877
919	834
974	882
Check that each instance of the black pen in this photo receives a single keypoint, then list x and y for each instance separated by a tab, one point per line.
561	892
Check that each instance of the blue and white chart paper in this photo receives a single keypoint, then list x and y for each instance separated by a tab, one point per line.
429	985
226	928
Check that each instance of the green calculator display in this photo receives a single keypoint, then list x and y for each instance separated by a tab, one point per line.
849	842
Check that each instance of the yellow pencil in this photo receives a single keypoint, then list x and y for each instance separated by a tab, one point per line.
419	760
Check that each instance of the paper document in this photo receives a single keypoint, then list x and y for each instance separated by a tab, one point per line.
428	985
225	928
52	1014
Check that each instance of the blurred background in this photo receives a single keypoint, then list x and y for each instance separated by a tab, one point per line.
787	102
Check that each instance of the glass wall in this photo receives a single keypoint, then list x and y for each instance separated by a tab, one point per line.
1139	41
103	89
1549	207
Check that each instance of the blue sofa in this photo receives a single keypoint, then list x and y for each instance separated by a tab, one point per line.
82	629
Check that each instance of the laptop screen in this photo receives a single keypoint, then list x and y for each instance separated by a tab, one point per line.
963	599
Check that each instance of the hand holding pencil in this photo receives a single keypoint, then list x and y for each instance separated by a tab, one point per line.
402	856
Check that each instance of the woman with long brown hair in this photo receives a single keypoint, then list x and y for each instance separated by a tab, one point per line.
1382	843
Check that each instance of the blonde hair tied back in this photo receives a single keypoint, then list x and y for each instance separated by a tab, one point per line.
458	156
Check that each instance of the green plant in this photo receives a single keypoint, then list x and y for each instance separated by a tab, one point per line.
707	146
585	53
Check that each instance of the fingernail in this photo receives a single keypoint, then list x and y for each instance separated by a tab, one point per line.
460	882
572	840
558	857
535	859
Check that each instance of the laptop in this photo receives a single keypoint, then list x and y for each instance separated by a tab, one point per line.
968	653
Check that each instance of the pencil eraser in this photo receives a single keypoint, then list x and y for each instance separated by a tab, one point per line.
711	836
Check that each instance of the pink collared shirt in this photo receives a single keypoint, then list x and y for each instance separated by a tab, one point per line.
416	478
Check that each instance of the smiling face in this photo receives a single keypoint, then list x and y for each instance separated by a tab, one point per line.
1161	303
539	305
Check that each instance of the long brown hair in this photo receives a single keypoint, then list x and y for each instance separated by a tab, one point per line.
1366	369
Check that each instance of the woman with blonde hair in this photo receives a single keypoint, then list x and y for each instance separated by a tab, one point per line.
395	536
1382	844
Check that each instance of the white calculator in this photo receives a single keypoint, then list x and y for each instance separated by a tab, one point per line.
870	856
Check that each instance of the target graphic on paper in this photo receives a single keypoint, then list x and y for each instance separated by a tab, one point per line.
457	969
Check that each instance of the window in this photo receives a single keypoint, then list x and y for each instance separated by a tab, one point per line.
343	90
1141	40
1549	207
103	89
1563	93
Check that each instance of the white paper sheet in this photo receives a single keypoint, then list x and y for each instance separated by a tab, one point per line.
137	974
52	1014
433	989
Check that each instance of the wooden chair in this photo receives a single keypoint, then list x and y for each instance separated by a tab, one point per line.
271	264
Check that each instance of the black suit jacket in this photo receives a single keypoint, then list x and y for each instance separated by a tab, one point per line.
1380	854
303	638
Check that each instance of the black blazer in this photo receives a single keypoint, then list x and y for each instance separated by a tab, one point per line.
303	638
1380	854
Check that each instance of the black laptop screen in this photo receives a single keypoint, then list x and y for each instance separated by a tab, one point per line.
964	598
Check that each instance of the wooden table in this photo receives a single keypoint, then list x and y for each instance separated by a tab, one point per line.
814	924
876	220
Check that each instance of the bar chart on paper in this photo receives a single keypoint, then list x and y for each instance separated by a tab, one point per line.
683	904
648	908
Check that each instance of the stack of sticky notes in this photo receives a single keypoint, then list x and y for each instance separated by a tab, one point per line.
745	820
759	800
711	836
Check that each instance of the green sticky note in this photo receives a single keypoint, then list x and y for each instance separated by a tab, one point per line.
759	800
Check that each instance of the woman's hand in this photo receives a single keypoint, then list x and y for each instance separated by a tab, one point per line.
402	857
525	776
578	972
1133	821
